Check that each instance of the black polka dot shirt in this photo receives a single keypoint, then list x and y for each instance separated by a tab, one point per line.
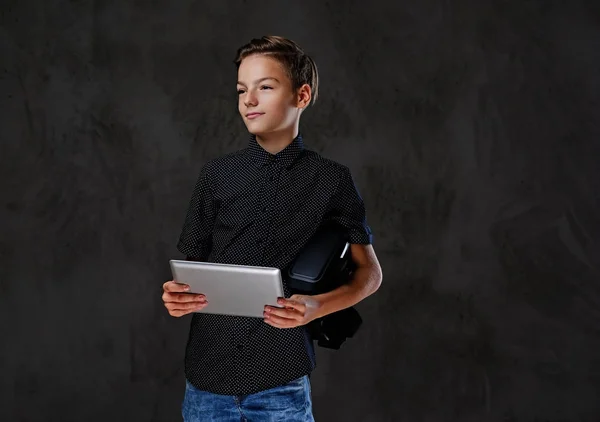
251	207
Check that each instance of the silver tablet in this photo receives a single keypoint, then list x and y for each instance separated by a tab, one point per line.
230	289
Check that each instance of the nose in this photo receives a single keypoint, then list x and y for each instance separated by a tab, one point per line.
250	99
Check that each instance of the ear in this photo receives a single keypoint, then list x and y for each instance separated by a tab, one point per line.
303	96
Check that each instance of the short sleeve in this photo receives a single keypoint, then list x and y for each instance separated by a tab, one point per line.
348	210
196	236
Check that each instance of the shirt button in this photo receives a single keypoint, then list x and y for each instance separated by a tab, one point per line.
239	346
271	178
259	242
265	209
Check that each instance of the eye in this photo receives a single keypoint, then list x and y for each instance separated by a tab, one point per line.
240	91
266	86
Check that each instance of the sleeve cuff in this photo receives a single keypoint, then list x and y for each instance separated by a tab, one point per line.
360	236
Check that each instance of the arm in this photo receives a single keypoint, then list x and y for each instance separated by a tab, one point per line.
366	280
195	240
195	243
347	210
302	309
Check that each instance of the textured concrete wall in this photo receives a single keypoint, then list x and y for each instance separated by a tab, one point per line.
471	128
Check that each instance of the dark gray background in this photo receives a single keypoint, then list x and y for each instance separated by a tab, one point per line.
471	129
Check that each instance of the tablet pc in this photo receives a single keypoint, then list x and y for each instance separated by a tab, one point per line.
230	289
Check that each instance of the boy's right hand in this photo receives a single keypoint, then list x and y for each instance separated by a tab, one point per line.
180	303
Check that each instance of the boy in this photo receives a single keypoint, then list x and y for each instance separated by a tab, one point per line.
259	206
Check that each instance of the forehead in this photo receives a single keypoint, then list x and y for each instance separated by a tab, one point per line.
256	67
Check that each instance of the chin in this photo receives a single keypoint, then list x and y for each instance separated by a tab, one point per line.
256	131
260	129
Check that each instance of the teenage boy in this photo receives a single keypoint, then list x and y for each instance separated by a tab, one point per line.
259	206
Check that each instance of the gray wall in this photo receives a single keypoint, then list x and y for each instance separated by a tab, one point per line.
471	128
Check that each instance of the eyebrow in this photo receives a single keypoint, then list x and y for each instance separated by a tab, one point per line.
259	80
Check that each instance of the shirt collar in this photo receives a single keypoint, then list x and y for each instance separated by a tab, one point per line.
285	157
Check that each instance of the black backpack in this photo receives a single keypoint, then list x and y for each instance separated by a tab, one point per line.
322	265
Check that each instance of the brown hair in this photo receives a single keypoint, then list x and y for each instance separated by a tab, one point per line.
300	67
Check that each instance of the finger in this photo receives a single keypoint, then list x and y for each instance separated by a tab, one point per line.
173	286
279	325
180	312
284	313
290	303
281	322
268	321
177	312
183	297
187	310
177	306
272	324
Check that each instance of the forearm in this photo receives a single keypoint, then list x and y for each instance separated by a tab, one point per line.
365	281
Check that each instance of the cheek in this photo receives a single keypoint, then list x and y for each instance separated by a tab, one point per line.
279	109
281	117
287	115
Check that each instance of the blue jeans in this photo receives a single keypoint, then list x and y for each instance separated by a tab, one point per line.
291	403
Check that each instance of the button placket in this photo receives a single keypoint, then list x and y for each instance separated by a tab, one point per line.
266	203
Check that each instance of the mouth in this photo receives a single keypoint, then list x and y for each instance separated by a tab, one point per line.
253	115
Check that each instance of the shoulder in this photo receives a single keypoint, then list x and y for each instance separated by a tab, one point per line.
325	164
225	161
214	169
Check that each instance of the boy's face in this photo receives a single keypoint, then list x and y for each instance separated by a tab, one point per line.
266	101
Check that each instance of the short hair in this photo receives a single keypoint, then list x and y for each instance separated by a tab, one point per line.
299	66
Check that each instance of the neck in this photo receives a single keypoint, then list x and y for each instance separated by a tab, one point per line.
277	141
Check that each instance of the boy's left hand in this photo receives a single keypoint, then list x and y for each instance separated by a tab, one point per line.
298	310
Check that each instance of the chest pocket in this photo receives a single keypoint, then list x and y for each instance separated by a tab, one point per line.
302	204
235	208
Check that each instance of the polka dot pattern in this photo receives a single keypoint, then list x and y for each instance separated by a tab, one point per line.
251	207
